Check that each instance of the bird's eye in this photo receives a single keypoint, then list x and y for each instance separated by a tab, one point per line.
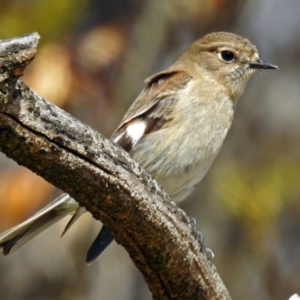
226	56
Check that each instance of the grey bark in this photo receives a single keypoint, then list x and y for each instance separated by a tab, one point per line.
103	178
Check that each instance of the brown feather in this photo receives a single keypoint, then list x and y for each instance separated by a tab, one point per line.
151	106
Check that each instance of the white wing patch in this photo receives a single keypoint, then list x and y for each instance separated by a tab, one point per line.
134	131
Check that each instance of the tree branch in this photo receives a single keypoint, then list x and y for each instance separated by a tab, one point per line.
103	178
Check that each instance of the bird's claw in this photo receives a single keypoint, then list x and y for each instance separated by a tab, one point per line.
208	252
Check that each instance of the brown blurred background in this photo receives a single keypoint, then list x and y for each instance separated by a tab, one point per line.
91	61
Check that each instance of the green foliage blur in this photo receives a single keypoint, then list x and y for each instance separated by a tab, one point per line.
51	19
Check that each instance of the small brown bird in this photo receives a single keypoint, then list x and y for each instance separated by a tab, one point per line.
174	129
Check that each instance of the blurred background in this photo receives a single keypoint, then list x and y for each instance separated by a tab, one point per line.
92	59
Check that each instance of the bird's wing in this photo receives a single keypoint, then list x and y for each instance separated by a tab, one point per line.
148	112
17	236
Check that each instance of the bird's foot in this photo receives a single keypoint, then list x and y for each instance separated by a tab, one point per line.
208	252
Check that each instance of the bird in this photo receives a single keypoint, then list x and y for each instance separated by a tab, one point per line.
174	129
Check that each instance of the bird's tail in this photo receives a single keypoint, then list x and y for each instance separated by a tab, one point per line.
101	242
14	238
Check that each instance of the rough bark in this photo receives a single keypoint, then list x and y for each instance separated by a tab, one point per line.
160	238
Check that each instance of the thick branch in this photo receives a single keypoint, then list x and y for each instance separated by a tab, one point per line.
159	237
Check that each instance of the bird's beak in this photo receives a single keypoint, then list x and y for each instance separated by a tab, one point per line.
259	64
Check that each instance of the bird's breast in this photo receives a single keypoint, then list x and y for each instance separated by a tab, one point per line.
181	152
